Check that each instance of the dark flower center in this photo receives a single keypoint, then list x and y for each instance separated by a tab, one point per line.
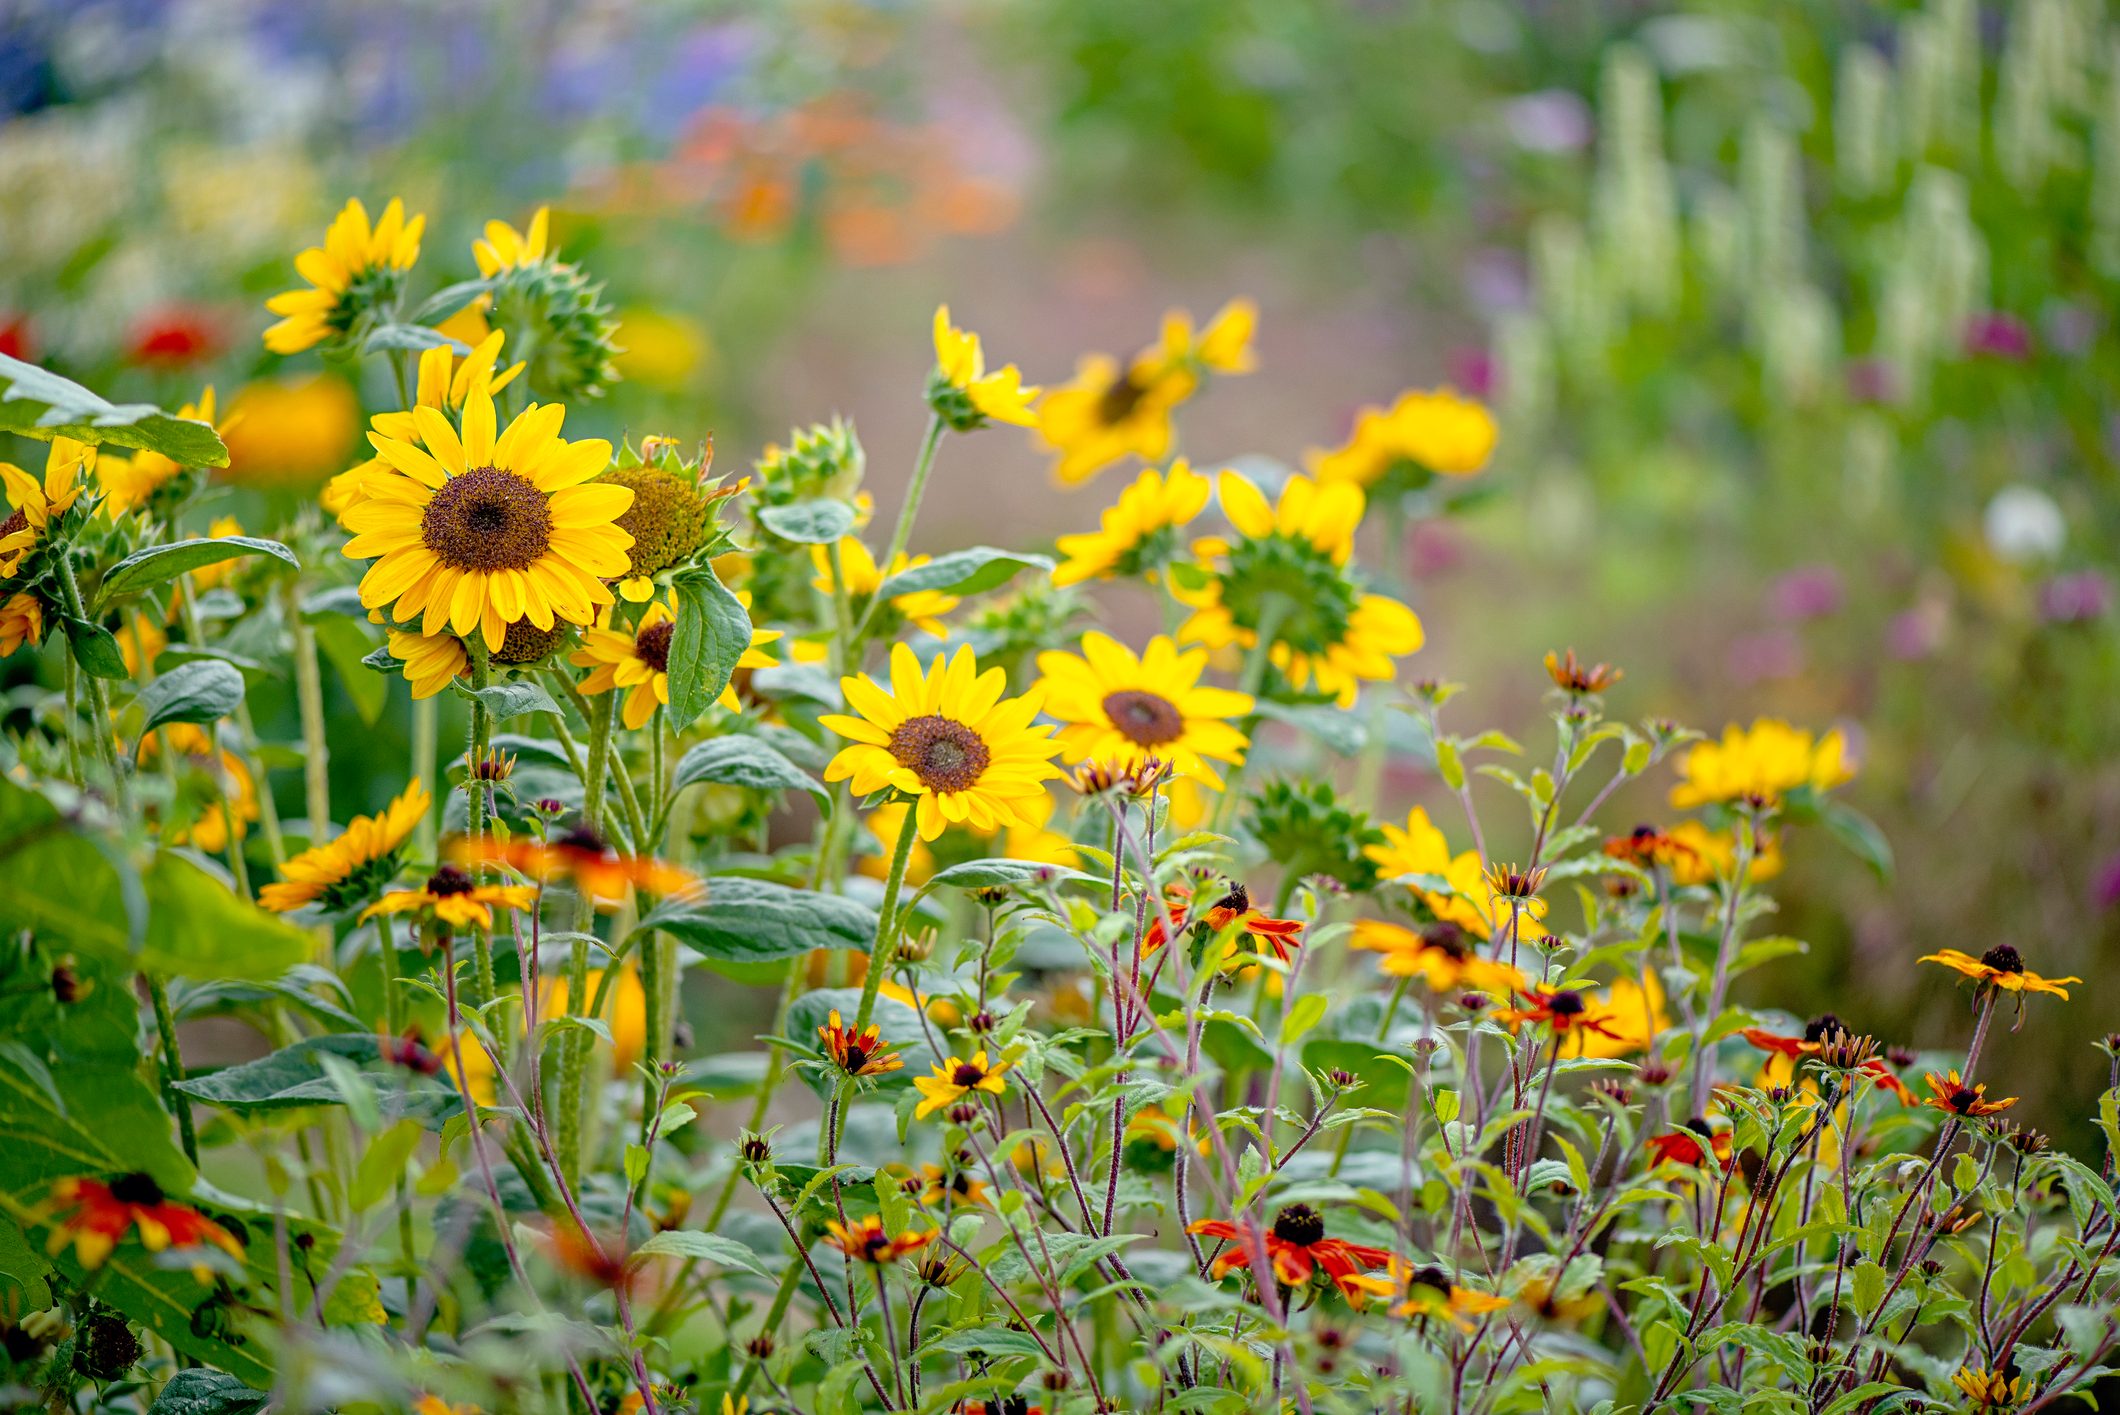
487	519
449	880
1146	719
1237	900
526	643
1823	1026
2003	958
1963	1098
136	1188
581	839
945	755
14	523
1445	938
856	1054
874	1242
653	645
1432	1277
1699	1126
1299	1224
966	1075
1120	400
1566	1003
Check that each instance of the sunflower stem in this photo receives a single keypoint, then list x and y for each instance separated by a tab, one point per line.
309	697
903	531
426	737
886	930
475	812
574	1044
101	723
172	1064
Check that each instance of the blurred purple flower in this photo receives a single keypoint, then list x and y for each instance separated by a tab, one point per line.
1872	381
1472	372
1807	592
1755	658
1915	633
2105	884
2075	598
1495	280
2070	328
1998	336
1551	120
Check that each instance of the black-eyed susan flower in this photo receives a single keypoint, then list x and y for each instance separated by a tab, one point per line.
129	483
1564	1010
852	1053
358	268
1691	1144
1120	708
1453	887
21	622
867	1241
947	738
639	662
962	392
1430	1294
39	503
478	528
1231	911
348	871
1138	533
952	1187
1298	1249
1647	847
580	856
456	898
2000	967
1285	573
1987	1390
1761	763
1110	412
93	1217
1424	434
923	609
1953	1096
1440	955
954	1080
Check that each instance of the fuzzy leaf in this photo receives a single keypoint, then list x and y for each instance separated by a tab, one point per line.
756	921
712	632
158	564
39	403
964	572
743	760
203	692
819	521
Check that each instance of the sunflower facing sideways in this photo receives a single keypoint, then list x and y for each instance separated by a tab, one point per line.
1118	707
454	897
39	503
358	267
1137	534
946	737
639	662
347	871
475	530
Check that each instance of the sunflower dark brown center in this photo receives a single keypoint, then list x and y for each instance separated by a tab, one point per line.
2003	958
1430	1277
1445	938
14	523
1120	400
1238	899
580	838
1299	1224
945	755
1962	1099
136	1188
1566	1003
967	1075
1146	719
449	880
653	645
487	519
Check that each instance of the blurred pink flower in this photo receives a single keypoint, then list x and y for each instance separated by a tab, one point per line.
1998	336
1807	592
1776	653
2075	598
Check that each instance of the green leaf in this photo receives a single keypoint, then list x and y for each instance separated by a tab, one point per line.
964	572
22	1272
382	1162
1337	729
746	761
713	1247
820	521
198	928
83	1118
1000	874
295	1076
202	1392
96	650
511	698
203	691
158	564
756	921
990	1342
1072	1253
1859	834
712	632
411	338
39	403
345	642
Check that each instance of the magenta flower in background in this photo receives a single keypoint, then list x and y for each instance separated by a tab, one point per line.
1872	381
1472	373
1998	336
2105	884
2075	598
1805	593
1916	633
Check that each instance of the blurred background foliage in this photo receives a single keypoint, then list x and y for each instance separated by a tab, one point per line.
1799	317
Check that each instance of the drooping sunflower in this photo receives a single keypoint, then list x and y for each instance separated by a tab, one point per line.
349	870
1761	763
505	248
570	331
1118	707
923	609
1109	413
1137	534
39	503
130	482
1286	570
359	267
1423	435
963	393
476	530
640	661
2000	967
947	738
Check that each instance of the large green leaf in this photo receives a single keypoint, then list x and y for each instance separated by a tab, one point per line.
295	1076
158	564
511	698
747	761
198	928
964	572
691	1243
22	1272
80	1119
711	633
203	691
202	1392
39	403
756	921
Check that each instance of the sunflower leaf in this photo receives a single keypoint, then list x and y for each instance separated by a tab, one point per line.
39	403
964	572
818	521
711	633
756	921
158	564
96	650
201	691
509	699
743	760
412	338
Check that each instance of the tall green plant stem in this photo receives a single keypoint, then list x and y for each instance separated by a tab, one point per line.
103	727
483	987
309	698
902	533
886	917
574	1044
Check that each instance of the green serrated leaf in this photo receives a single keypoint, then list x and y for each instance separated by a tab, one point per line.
39	403
203	692
746	761
711	633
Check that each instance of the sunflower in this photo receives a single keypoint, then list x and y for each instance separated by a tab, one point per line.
1298	1249
1952	1096
1987	1390
1136	534
21	622
430	661
954	1080
640	661
358	267
952	1188
947	738
454	897
130	482
349	870
505	248
863	1053
209	829
444	384
39	503
478	530
1438	955
963	393
1421	850
923	609
1761	764
1109	413
93	1217
1119	708
1287	569
866	1240
1422	435
2000	967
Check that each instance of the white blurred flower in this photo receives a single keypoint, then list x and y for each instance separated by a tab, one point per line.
2023	524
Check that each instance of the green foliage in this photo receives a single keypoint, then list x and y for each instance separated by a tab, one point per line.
36	402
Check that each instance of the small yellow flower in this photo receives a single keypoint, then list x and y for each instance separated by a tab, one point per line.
129	482
1424	433
923	609
505	248
960	365
954	1080
356	266
1136	534
1110	412
430	660
454	897
2000	967
349	870
640	661
195	746
1987	1390
1421	848
1761	763
1119	708
39	503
